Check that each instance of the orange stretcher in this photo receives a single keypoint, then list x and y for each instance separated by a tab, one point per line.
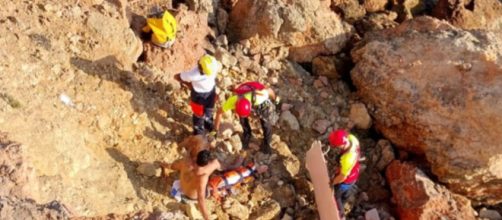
221	184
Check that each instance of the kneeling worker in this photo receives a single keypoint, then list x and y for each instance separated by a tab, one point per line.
163	27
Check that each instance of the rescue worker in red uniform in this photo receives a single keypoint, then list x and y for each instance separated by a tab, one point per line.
349	165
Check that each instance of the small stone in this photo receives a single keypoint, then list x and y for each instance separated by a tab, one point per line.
193	212
269	210
324	95
225	57
364	197
290	211
287	217
222	21
318	84
148	169
226	82
246	43
290	120
489	214
325	66
302	201
372	214
280	183
321	125
274	80
237	210
228	147
286	107
359	115
236	143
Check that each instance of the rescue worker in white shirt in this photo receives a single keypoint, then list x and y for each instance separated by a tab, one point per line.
201	80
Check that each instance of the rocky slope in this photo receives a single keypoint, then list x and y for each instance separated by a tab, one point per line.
96	108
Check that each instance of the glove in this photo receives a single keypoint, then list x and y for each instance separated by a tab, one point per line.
214	134
277	100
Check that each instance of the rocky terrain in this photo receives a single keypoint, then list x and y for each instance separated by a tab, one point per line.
88	107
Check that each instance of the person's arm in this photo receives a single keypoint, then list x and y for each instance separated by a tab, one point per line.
217	119
177	77
340	177
176	165
201	197
271	94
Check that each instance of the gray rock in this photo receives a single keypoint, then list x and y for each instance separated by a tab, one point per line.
381	155
236	209
148	169
489	214
290	120
225	57
269	210
371	214
222	20
235	140
321	125
325	66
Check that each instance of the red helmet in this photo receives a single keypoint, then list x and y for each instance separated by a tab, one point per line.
243	107
338	138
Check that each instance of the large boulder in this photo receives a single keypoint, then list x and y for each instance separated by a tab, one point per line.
435	89
188	48
310	28
471	14
418	197
111	35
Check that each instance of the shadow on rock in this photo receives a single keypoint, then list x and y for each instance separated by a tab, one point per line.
155	184
147	97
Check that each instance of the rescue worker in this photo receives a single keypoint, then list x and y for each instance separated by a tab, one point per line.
196	183
202	81
163	27
252	97
194	176
349	165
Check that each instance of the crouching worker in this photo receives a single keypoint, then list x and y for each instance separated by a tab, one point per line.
194	175
252	97
195	184
163	28
349	165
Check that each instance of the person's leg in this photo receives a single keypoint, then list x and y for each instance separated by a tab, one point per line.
267	136
246	134
208	110
208	119
198	112
198	125
341	194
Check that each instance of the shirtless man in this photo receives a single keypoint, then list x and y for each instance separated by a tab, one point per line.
194	175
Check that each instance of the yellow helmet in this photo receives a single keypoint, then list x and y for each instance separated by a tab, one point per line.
164	28
209	65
